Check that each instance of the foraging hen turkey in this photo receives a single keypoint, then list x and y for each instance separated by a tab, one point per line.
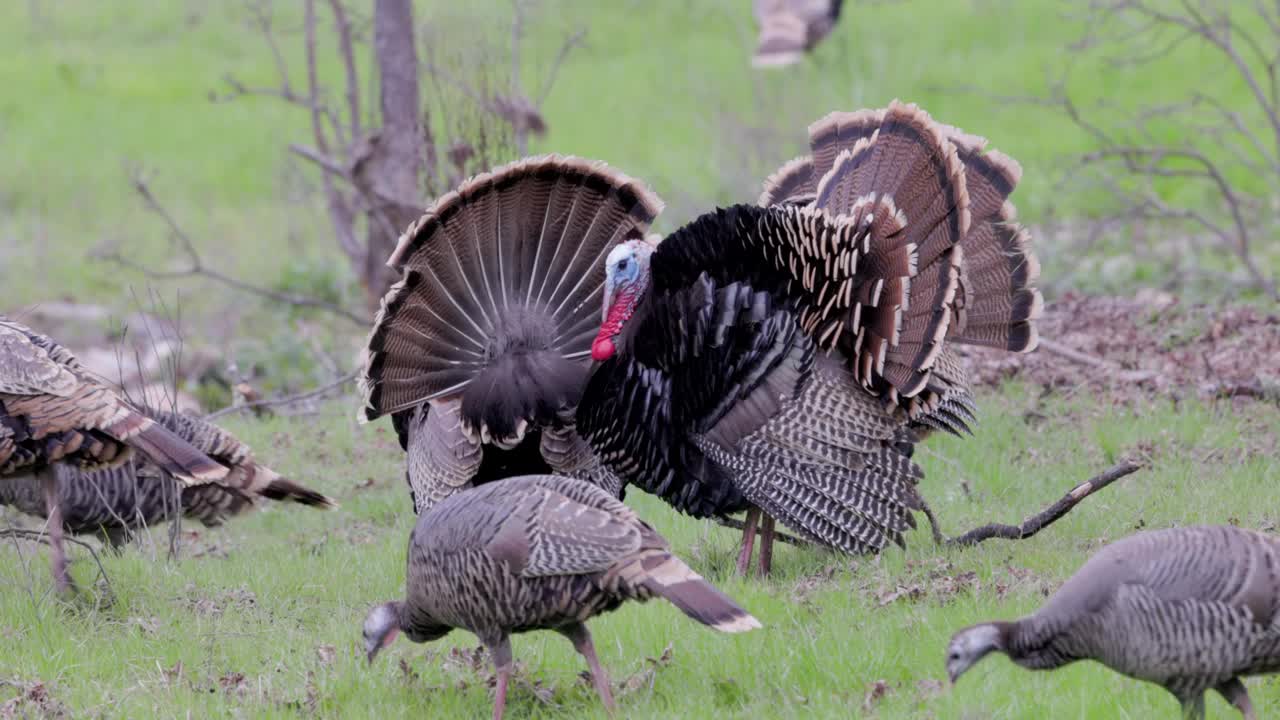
113	502
785	357
53	411
1190	609
537	552
480	352
790	28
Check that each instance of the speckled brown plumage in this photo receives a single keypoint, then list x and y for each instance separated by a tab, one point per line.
538	552
113	502
1190	609
52	410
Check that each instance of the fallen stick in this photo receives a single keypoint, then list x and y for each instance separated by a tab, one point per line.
1057	348
1039	521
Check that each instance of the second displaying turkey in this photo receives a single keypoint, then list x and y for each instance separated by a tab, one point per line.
785	357
480	352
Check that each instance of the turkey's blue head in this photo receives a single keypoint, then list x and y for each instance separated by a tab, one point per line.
626	277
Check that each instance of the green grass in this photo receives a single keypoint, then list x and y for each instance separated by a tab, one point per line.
663	90
92	90
270	593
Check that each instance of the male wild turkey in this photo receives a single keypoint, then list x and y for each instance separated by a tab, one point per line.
480	352
537	552
786	356
53	411
1190	609
113	502
790	28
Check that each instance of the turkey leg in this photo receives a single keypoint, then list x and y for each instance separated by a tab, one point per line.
581	639
500	651
766	544
748	541
57	548
1234	692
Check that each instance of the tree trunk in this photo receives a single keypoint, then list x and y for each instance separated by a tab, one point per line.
394	162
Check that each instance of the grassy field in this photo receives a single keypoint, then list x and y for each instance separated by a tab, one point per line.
663	90
262	618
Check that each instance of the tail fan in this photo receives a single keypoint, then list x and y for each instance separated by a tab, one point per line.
903	181
666	575
998	303
792	184
500	296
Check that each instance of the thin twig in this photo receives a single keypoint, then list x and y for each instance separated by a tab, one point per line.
196	266
1039	521
288	400
39	536
1057	348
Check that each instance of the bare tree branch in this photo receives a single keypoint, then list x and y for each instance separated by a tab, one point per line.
347	49
197	267
287	400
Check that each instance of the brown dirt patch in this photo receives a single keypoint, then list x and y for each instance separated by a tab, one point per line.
1151	343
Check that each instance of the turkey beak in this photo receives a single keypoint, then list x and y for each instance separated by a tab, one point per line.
608	301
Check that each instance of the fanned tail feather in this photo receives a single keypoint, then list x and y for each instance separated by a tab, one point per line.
499	300
974	272
895	172
666	575
998	303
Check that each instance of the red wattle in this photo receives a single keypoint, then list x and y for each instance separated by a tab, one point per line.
602	349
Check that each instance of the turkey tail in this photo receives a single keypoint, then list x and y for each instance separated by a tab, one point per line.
499	299
998	303
895	174
666	575
793	183
282	490
171	453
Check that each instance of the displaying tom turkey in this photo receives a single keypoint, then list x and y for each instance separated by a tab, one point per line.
790	28
480	352
1190	609
113	502
52	410
532	553
784	357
